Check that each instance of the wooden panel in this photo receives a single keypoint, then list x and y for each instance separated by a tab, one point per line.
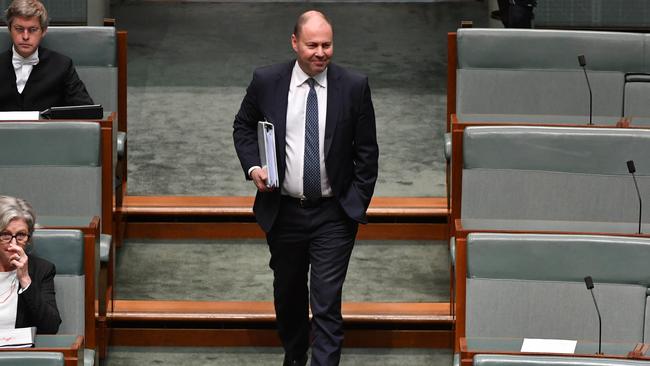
268	338
239	230
405	231
91	235
107	173
263	311
452	64
461	273
192	230
456	176
242	206
122	37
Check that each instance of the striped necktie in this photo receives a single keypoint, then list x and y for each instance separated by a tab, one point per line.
311	172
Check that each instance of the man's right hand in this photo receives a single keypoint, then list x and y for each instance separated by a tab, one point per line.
260	178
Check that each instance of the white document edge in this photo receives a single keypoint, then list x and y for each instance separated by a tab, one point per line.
538	345
20	116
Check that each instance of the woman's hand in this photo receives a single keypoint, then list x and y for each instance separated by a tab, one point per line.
19	259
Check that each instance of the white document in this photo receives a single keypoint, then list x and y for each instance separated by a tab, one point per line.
536	345
17	338
20	116
268	157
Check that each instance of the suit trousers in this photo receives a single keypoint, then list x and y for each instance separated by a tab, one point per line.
310	252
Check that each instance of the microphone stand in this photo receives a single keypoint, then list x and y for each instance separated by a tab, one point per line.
590	96
640	202
600	323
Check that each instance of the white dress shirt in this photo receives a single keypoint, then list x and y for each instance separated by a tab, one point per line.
23	67
295	132
8	299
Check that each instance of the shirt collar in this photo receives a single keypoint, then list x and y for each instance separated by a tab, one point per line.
299	77
17	56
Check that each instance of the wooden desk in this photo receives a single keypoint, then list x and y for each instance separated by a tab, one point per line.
72	347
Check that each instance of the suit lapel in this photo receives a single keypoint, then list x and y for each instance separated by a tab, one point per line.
333	106
8	65
36	70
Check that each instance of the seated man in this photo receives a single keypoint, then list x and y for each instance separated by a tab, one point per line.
33	78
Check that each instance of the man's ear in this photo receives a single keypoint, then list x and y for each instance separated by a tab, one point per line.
294	42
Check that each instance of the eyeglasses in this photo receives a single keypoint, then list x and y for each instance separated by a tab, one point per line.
6	237
20	30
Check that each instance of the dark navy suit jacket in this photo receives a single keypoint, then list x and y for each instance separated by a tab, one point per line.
351	152
37	305
52	83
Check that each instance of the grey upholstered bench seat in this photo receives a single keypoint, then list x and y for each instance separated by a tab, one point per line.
65	248
31	359
529	173
520	71
531	285
510	360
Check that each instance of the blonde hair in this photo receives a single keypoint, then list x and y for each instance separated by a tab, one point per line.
27	9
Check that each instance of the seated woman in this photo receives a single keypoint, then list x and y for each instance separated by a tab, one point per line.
26	282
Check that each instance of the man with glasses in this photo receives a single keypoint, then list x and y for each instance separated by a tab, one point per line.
34	78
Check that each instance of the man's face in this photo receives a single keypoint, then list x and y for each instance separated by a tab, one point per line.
26	33
314	45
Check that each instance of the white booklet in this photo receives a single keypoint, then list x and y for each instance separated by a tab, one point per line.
549	345
17	338
20	116
268	157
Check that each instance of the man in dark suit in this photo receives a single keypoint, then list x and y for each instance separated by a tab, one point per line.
327	163
33	78
517	13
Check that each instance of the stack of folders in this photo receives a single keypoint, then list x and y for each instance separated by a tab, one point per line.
17	338
266	142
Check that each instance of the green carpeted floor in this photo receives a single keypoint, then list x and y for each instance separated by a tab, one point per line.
261	356
237	270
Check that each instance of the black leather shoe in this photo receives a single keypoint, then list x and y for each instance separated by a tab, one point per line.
300	361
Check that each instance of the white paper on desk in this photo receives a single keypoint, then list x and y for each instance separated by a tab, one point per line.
537	345
266	143
20	116
17	338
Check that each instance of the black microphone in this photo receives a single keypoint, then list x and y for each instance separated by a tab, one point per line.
583	63
590	286
632	170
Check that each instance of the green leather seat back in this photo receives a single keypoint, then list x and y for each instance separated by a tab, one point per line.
65	248
531	285
553	173
516	71
31	359
56	166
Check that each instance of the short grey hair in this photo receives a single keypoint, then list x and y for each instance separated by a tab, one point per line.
12	208
27	9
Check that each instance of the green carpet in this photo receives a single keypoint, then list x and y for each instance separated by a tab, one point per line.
237	270
261	356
